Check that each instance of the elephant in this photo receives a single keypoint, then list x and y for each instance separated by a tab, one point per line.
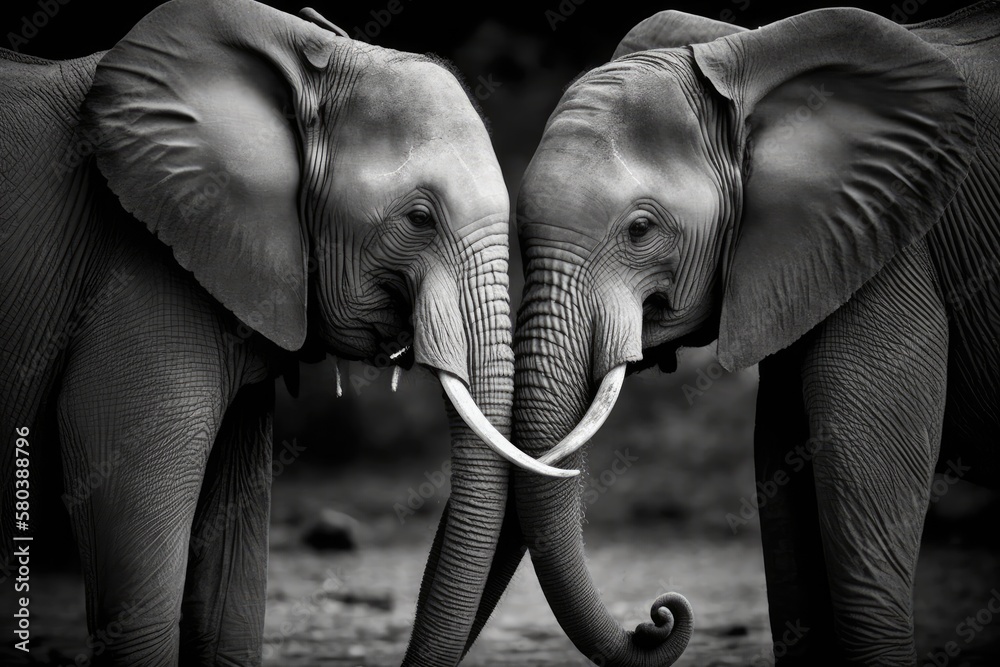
227	191
818	196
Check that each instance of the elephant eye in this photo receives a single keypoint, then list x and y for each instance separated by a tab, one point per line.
639	228
420	217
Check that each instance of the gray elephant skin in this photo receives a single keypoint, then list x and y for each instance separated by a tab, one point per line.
821	196
228	187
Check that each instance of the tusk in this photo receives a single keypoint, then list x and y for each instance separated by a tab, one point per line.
473	416
596	415
340	388
398	370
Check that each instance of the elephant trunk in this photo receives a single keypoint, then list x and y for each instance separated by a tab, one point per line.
463	549
556	334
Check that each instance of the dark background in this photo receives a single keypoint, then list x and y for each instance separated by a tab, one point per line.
359	465
516	58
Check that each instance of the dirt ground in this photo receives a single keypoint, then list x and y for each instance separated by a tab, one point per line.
355	608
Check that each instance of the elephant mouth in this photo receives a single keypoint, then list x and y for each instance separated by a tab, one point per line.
396	294
395	300
655	306
389	321
392	348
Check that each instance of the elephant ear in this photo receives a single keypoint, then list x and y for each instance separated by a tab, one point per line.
857	135
670	29
199	113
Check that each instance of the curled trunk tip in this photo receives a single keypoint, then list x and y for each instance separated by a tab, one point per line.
669	612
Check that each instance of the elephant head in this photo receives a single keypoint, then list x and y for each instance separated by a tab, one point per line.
709	183
323	188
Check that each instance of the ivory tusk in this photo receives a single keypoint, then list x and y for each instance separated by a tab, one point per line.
473	416
596	415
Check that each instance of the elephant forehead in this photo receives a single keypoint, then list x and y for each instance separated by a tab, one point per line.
414	99
621	134
586	184
634	113
659	120
579	187
465	181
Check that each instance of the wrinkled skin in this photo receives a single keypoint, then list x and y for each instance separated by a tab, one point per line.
180	217
818	195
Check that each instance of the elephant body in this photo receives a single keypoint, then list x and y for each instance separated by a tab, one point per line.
227	191
904	379
965	252
819	195
97	314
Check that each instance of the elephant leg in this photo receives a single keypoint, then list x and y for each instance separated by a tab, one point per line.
874	388
797	591
226	586
138	411
132	524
